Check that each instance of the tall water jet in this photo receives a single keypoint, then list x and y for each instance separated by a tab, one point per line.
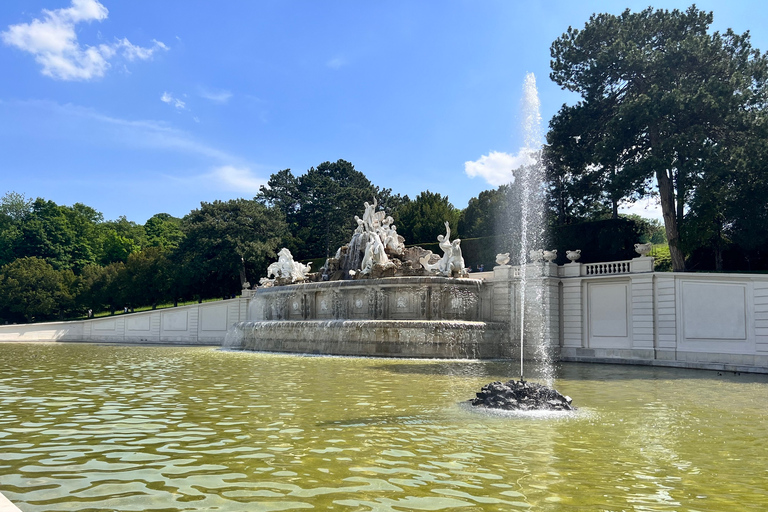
529	180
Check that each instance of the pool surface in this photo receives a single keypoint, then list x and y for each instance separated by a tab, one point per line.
90	427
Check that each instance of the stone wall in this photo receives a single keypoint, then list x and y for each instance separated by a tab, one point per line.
197	324
625	312
612	312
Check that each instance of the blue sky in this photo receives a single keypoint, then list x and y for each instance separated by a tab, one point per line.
139	107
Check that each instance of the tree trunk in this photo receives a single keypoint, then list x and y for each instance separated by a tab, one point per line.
719	246
614	199
668	211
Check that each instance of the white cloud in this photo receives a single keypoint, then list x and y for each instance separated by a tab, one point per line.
650	208
215	96
496	167
53	42
133	52
240	179
172	100
336	62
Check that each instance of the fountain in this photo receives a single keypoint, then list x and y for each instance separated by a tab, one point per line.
375	297
534	306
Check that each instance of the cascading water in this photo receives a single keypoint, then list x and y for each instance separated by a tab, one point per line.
533	315
529	179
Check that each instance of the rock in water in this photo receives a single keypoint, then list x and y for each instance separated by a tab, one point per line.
521	396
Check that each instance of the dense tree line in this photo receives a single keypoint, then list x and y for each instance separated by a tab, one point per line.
62	261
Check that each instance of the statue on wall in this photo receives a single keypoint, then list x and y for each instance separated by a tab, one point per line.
452	262
285	269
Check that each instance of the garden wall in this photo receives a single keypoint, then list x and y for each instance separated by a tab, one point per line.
623	312
197	324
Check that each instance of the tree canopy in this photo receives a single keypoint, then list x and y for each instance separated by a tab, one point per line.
421	220
321	204
663	104
227	242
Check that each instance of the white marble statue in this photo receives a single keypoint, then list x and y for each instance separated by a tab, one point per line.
452	262
286	268
379	235
374	254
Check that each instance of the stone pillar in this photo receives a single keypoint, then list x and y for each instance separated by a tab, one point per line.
641	264
572	313
504	290
642	315
666	317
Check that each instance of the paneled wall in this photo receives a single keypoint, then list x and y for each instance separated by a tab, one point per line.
198	324
701	320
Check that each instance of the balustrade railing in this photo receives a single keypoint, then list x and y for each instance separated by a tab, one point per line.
604	269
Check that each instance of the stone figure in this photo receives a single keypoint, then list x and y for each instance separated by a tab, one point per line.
374	254
287	269
456	263
374	239
452	262
368	215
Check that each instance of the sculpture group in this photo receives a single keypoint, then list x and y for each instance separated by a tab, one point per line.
375	250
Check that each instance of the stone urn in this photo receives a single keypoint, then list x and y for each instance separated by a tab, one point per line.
536	255
573	256
502	258
549	256
643	249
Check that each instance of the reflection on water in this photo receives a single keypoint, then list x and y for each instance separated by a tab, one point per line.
85	427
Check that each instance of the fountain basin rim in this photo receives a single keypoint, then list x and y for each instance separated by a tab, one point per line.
384	281
385	324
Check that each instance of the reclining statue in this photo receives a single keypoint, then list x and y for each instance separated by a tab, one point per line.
452	262
286	268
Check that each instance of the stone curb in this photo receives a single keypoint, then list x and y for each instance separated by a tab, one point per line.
7	506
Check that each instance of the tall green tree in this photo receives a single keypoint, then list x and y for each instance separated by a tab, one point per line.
31	289
421	220
14	210
163	230
222	240
147	278
483	215
665	94
321	204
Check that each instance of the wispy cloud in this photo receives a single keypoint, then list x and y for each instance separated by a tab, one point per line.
216	96
240	179
53	41
496	167
141	133
172	100
336	62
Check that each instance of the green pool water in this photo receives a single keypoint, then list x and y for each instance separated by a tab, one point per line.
89	427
